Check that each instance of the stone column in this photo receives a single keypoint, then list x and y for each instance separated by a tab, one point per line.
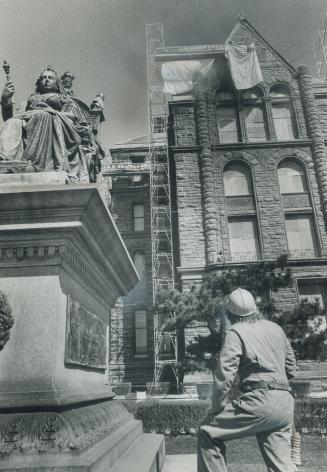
314	130
206	175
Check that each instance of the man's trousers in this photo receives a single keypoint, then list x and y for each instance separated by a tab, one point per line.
267	414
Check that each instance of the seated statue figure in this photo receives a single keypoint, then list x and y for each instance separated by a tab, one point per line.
44	135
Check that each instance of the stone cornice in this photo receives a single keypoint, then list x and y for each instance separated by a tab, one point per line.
245	146
68	227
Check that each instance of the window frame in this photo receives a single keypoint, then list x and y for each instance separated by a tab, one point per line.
145	353
257	240
288	215
288	98
138	218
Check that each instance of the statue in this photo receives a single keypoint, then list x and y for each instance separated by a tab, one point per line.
98	102
44	135
67	82
92	149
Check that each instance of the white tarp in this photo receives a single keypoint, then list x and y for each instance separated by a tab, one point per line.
178	75
244	65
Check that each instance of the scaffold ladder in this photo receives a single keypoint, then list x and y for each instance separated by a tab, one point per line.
161	224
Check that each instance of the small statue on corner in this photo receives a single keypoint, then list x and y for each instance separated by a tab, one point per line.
97	103
67	82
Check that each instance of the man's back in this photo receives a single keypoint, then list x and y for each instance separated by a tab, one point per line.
266	352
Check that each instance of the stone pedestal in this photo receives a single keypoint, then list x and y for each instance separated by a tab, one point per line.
62	266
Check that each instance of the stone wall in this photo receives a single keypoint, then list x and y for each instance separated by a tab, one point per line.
125	365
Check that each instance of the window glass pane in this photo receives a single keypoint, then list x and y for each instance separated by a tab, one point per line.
291	177
237	180
282	118
300	236
279	92
139	262
140	332
243	239
227	124
255	126
138	211
138	217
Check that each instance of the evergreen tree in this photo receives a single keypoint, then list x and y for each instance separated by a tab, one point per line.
203	305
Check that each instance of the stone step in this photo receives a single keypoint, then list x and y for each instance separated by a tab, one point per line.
99	457
146	454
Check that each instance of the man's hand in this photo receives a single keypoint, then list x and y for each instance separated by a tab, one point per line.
7	92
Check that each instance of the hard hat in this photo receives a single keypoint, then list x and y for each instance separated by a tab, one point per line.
240	302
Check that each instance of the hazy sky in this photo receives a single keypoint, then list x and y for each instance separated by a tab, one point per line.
103	43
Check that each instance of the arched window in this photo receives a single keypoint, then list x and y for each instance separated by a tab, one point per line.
291	177
237	180
282	113
242	219
227	117
298	215
254	115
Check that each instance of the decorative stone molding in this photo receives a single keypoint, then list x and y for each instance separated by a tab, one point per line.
56	432
45	254
240	204
206	175
314	130
296	200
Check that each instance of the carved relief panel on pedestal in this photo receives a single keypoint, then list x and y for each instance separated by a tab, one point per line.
86	337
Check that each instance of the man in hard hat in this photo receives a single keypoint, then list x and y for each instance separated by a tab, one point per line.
260	353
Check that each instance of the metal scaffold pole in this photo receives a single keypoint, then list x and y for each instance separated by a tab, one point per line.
161	225
320	52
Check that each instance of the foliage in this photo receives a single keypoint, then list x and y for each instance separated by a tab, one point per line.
303	327
204	304
174	416
310	416
6	320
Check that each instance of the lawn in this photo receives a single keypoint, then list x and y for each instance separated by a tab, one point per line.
245	452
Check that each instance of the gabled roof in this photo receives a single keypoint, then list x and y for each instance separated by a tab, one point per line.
211	50
244	21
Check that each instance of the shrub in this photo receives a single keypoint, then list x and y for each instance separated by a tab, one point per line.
6	320
311	416
173	417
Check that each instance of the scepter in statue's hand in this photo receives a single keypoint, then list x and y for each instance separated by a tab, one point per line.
9	89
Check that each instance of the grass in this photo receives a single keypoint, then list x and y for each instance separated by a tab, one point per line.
245	452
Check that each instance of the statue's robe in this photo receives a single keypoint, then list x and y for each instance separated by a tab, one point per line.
45	136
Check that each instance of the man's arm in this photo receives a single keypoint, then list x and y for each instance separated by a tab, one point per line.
227	368
290	361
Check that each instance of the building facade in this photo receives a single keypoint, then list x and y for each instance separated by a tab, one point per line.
248	183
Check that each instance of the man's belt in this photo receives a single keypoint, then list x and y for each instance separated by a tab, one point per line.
264	385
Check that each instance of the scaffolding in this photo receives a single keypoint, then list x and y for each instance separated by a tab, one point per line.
320	53
161	224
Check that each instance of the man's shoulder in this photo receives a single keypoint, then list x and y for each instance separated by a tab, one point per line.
241	327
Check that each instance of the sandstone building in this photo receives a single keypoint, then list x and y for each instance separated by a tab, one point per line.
248	182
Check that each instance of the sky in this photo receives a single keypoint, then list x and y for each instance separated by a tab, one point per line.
103	43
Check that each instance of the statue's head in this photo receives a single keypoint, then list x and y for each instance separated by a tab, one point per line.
67	79
48	81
